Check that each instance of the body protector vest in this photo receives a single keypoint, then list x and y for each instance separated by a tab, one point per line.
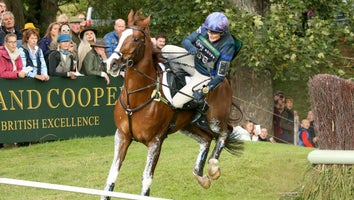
207	54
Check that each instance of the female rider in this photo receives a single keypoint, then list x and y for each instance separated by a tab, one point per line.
213	48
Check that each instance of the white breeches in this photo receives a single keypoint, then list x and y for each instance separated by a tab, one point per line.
197	80
188	61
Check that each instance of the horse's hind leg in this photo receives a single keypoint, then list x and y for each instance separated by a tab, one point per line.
204	181
121	145
204	143
214	170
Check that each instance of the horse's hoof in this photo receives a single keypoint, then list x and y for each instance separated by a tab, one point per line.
214	170
214	174
204	181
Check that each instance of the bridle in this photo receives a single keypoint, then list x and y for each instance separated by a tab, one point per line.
129	62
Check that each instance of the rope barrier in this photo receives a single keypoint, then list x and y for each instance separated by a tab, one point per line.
75	189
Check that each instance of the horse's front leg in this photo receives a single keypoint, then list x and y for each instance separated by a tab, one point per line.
152	158
121	145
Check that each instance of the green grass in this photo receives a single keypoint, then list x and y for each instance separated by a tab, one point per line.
264	171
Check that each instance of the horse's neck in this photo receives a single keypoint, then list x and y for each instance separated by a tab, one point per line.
143	73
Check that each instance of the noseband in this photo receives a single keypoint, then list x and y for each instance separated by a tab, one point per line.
129	62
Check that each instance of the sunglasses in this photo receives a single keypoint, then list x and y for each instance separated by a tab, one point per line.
213	32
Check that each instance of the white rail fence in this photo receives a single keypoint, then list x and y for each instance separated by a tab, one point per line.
67	188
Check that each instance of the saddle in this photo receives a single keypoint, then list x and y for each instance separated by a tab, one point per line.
175	80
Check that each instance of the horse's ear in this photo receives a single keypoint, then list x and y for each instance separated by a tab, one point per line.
138	13
130	17
147	20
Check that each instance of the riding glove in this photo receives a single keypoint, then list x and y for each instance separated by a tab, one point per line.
193	51
198	95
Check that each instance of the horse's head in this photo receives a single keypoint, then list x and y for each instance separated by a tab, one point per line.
132	44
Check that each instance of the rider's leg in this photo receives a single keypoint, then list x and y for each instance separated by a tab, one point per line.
179	60
186	93
200	116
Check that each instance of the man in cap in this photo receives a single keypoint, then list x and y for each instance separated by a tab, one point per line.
278	95
94	61
74	23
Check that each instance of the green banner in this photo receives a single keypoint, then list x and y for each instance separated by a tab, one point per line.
60	108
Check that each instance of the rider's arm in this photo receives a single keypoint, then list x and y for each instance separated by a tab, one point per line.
189	41
222	66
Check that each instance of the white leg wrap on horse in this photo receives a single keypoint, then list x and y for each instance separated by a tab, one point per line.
201	153
113	171
146	182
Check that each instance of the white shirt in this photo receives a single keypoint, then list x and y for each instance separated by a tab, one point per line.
241	133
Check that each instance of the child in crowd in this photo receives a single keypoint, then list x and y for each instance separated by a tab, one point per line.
304	134
263	136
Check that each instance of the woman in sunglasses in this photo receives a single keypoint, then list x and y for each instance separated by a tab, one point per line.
213	48
65	29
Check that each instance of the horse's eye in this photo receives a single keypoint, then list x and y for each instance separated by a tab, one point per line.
136	39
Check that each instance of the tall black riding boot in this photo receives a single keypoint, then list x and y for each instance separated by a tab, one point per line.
199	117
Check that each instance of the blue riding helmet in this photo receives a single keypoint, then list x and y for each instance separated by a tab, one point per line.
217	22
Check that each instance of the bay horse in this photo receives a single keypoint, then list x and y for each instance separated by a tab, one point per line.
141	115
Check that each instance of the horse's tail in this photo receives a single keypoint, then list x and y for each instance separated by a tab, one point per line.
236	113
234	146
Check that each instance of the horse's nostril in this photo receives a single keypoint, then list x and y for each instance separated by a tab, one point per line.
114	65
130	63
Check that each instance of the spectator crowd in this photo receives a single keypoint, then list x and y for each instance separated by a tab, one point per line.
286	130
69	48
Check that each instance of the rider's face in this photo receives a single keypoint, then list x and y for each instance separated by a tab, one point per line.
213	36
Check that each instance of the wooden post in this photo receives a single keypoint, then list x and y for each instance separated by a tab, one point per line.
296	129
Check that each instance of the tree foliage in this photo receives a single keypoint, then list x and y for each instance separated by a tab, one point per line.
174	18
279	43
276	42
